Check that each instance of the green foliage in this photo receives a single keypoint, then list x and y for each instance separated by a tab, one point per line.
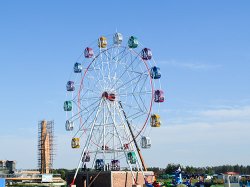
63	172
208	170
181	185
171	168
157	171
217	181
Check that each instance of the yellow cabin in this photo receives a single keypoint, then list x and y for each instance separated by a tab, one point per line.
155	120
75	143
102	42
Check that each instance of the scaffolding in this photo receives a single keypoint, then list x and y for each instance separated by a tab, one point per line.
45	146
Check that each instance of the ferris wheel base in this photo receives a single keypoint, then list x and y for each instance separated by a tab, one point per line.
110	178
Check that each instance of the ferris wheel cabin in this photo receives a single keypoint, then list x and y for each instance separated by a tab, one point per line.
131	157
155	72
109	96
146	54
155	120
117	38
77	67
70	86
159	96
69	125
115	165
67	106
99	164
86	157
133	42
88	52
145	142
102	42
75	143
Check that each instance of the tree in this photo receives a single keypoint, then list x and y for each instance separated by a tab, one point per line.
171	168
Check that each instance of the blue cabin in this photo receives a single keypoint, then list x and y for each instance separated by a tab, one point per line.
70	86
78	67
99	164
155	72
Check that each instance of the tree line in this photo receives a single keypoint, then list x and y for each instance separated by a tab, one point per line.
209	170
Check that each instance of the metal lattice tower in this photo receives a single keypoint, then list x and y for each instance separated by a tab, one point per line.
45	146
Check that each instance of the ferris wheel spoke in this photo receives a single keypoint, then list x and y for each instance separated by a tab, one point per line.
81	115
137	83
85	108
95	117
131	107
126	68
135	93
138	103
97	84
82	112
89	93
129	81
122	56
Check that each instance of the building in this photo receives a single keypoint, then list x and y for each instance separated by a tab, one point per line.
109	178
7	166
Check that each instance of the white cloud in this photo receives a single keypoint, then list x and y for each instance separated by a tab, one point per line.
203	138
200	144
232	112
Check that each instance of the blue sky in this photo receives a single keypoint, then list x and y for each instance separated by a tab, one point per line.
202	48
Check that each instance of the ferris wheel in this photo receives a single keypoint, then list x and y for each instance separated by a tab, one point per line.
113	98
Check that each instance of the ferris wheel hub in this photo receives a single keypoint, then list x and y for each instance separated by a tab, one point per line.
108	96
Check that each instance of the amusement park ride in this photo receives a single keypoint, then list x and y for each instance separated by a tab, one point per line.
113	101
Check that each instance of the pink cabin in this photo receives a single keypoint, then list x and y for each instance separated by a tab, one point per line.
146	54
88	52
159	96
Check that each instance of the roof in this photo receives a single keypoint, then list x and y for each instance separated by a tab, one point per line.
231	173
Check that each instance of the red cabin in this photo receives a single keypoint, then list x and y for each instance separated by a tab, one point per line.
88	52
111	97
159	96
146	54
108	96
